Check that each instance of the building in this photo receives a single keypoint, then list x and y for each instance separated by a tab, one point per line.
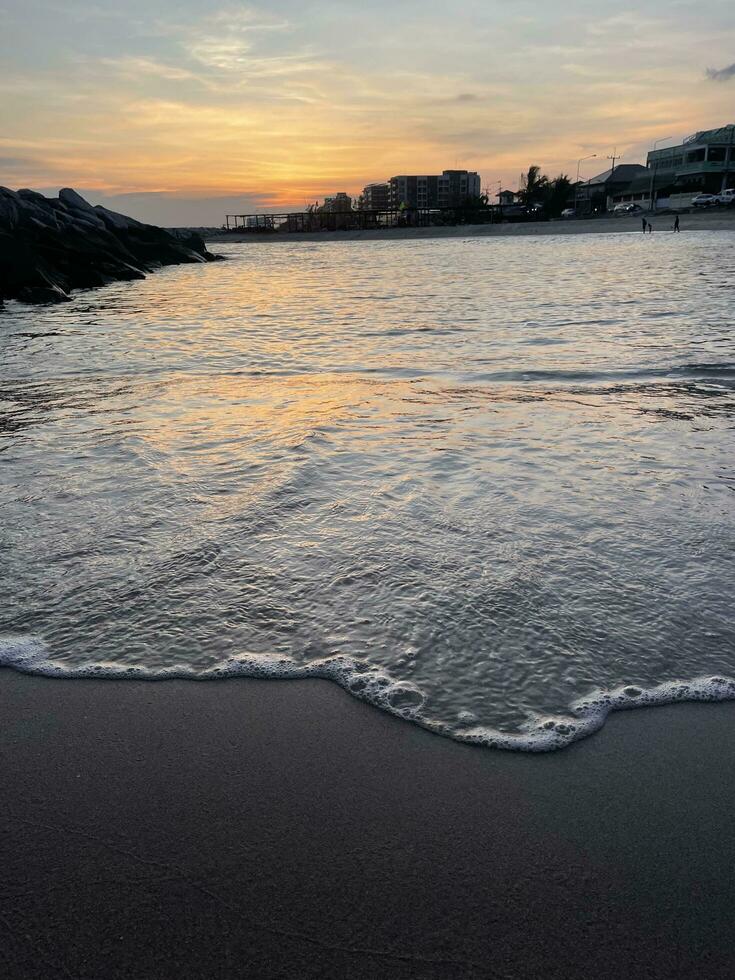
339	202
456	186
450	189
375	197
414	192
596	195
506	199
704	162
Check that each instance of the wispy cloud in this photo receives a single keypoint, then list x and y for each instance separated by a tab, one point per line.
232	39
133	67
721	74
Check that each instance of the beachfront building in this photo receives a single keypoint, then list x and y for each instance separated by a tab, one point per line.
338	202
674	175
597	195
375	197
449	189
703	163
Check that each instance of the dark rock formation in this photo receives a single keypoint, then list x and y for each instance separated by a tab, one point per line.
49	246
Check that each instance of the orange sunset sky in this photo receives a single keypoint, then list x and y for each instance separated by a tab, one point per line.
180	111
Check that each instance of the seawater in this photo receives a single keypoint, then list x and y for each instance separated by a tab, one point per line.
485	484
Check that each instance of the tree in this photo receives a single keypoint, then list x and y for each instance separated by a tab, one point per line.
534	187
557	197
474	208
550	195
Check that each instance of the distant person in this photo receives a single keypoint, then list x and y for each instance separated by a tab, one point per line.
645	223
676	223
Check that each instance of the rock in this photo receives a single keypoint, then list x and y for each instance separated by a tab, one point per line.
42	295
114	220
10	206
73	200
49	246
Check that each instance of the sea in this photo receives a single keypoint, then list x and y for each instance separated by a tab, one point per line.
484	484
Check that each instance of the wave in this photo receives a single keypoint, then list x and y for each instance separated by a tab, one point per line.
719	371
540	733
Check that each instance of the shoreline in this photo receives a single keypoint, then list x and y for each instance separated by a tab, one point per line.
541	732
720	221
272	829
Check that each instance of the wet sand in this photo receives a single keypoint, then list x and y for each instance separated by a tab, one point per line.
715	221
282	829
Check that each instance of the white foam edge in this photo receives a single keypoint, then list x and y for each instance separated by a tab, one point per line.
545	733
540	733
366	681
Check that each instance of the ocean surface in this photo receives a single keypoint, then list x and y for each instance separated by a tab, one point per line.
488	485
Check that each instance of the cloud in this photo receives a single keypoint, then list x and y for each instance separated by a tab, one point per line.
137	67
721	74
16	161
231	39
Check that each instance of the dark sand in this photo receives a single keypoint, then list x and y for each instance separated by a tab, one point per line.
282	829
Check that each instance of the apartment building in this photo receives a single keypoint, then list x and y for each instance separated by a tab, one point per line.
338	202
449	189
375	197
421	191
455	186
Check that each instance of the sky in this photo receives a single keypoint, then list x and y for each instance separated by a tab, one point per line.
178	111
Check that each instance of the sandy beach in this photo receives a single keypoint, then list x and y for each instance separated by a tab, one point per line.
713	221
283	829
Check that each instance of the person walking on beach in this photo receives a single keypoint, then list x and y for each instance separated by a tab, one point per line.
644	225
676	223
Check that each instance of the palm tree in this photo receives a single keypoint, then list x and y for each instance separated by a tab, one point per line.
535	186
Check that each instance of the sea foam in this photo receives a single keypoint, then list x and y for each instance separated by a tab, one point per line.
540	733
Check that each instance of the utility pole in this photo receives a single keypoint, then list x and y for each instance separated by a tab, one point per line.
614	158
576	182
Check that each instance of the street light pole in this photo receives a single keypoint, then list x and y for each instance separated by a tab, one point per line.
576	182
653	173
726	175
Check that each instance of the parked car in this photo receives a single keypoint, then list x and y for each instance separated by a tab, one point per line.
726	197
569	213
704	201
627	208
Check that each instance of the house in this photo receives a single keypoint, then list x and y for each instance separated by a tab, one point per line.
595	196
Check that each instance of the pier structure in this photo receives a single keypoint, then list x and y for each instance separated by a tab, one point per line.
358	220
